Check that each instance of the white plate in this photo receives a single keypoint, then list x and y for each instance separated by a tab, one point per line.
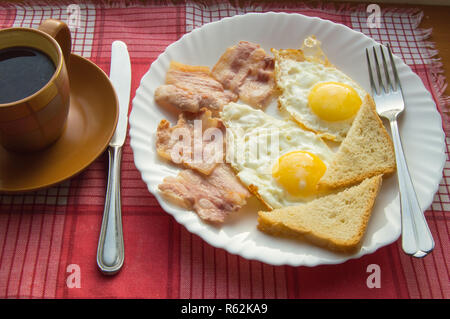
420	125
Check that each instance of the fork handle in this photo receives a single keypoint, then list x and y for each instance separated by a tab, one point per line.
416	236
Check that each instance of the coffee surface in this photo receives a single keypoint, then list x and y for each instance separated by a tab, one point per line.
23	71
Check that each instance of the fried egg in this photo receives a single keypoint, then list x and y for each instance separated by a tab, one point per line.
317	95
280	162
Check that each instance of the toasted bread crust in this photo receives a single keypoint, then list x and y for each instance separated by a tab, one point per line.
278	222
254	190
335	177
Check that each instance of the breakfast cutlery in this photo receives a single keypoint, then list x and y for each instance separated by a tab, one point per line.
388	95
110	251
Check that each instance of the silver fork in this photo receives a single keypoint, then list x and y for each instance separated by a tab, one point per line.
388	95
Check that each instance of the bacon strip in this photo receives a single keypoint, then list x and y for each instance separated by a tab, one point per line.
190	88
213	197
247	70
210	150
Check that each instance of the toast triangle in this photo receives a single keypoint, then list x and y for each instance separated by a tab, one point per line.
336	221
366	151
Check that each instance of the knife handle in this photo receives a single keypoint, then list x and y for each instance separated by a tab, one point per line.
110	251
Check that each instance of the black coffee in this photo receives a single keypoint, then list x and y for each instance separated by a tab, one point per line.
23	71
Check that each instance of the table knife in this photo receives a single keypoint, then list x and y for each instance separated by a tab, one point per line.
110	251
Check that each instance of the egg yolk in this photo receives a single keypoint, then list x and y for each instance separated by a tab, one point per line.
333	101
299	172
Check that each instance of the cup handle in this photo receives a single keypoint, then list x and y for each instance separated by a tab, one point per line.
61	33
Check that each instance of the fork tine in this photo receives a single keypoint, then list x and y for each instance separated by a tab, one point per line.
386	70
377	67
394	69
369	65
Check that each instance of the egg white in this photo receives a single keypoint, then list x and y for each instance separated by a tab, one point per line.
255	141
296	79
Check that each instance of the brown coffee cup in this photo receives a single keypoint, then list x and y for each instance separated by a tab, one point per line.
38	120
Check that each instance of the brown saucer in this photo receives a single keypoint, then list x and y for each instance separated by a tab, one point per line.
90	125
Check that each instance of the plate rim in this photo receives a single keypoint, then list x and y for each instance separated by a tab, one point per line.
288	260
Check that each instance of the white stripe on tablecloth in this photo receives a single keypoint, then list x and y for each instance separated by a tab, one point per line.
82	33
400	30
197	15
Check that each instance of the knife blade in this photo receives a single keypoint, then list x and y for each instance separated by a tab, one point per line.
110	251
120	76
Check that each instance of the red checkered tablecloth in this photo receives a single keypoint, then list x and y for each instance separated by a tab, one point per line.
48	236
